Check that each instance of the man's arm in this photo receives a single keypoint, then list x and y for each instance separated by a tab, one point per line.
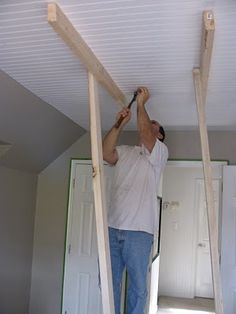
110	140
146	133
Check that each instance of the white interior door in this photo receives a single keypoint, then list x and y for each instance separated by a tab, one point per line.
228	251
178	242
81	279
204	286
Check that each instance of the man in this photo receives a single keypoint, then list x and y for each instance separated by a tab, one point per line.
133	214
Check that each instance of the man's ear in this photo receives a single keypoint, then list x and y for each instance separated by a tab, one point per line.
160	136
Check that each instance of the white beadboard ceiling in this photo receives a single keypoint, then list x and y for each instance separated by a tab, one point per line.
150	42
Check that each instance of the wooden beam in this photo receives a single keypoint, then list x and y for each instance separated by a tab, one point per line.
207	40
100	199
200	78
74	40
211	210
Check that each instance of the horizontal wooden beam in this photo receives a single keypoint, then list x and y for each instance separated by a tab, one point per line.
207	40
61	24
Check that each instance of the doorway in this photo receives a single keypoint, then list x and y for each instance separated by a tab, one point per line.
185	265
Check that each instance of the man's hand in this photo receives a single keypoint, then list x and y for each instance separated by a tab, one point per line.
110	140
146	134
126	114
143	96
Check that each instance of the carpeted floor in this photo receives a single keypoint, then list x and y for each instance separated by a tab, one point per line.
169	305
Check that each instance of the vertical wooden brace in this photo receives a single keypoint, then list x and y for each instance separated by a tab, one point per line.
211	210
100	199
200	78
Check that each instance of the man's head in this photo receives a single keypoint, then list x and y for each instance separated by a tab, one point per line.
158	130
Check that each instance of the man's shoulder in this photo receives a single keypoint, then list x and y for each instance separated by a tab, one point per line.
159	154
163	146
160	146
124	149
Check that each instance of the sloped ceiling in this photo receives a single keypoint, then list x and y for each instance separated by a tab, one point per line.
151	43
32	133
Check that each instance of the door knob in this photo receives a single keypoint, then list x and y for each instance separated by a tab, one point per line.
201	244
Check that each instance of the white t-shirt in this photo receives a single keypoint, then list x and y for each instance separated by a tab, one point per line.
133	203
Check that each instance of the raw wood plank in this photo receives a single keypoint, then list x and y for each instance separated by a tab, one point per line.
100	199
200	78
211	210
73	39
207	40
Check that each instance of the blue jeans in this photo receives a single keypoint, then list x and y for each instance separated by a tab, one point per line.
130	249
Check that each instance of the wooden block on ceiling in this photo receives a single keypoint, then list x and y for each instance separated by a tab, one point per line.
61	24
207	40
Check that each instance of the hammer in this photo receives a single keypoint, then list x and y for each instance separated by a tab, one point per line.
118	123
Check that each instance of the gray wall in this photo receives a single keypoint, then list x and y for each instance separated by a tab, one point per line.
46	286
186	145
17	208
37	132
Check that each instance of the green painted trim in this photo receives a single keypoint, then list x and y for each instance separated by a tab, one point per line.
79	159
182	159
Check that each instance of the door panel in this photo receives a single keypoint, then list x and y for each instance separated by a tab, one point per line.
81	284
204	287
